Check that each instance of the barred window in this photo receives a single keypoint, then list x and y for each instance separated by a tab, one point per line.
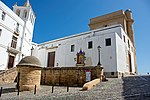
108	42
90	45
14	42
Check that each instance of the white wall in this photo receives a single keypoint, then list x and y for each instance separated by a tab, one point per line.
8	27
65	58
3	58
122	53
113	58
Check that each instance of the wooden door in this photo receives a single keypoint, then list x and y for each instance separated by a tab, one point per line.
51	59
11	61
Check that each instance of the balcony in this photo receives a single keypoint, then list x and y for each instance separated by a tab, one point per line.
13	50
16	31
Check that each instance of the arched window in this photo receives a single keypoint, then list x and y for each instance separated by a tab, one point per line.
18	12
25	13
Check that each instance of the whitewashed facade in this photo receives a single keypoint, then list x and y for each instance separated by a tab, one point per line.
117	53
113	57
16	31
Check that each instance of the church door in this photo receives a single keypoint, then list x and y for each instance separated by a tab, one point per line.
51	59
11	61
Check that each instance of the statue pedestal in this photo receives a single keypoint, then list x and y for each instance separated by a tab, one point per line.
80	65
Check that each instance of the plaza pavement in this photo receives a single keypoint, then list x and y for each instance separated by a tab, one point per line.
127	88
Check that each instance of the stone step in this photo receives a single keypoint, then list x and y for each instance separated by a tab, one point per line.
8	76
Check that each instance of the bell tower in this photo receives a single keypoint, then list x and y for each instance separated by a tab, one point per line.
26	13
129	24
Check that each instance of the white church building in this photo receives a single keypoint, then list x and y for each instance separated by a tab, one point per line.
109	42
16	31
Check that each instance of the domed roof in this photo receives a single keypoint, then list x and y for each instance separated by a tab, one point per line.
30	60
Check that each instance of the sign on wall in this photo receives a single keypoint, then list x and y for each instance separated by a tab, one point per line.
88	75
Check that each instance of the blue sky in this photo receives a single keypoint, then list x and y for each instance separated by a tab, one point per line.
59	18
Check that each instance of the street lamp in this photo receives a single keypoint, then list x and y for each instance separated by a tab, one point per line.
99	63
32	50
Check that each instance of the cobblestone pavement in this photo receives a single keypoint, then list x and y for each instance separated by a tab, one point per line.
128	88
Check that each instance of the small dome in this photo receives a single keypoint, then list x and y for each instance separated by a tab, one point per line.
30	60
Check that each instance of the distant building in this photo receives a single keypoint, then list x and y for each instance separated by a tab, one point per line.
112	32
16	30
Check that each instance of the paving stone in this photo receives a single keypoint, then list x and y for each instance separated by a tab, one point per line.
128	88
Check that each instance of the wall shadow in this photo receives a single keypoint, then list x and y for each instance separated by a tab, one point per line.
136	88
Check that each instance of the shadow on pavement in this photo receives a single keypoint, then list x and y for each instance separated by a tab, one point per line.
136	88
9	90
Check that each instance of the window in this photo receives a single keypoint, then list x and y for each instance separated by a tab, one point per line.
112	73
128	44
25	13
3	15
17	28
0	32
108	42
90	45
18	12
72	48
14	42
124	38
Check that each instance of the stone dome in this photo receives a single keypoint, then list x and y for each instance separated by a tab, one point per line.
30	60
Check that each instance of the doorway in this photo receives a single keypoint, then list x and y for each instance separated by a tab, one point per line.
11	61
51	59
130	65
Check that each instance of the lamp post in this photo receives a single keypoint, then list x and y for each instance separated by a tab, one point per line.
99	63
32	50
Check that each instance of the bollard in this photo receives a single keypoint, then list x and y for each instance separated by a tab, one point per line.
67	88
35	90
52	89
18	90
1	91
18	80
